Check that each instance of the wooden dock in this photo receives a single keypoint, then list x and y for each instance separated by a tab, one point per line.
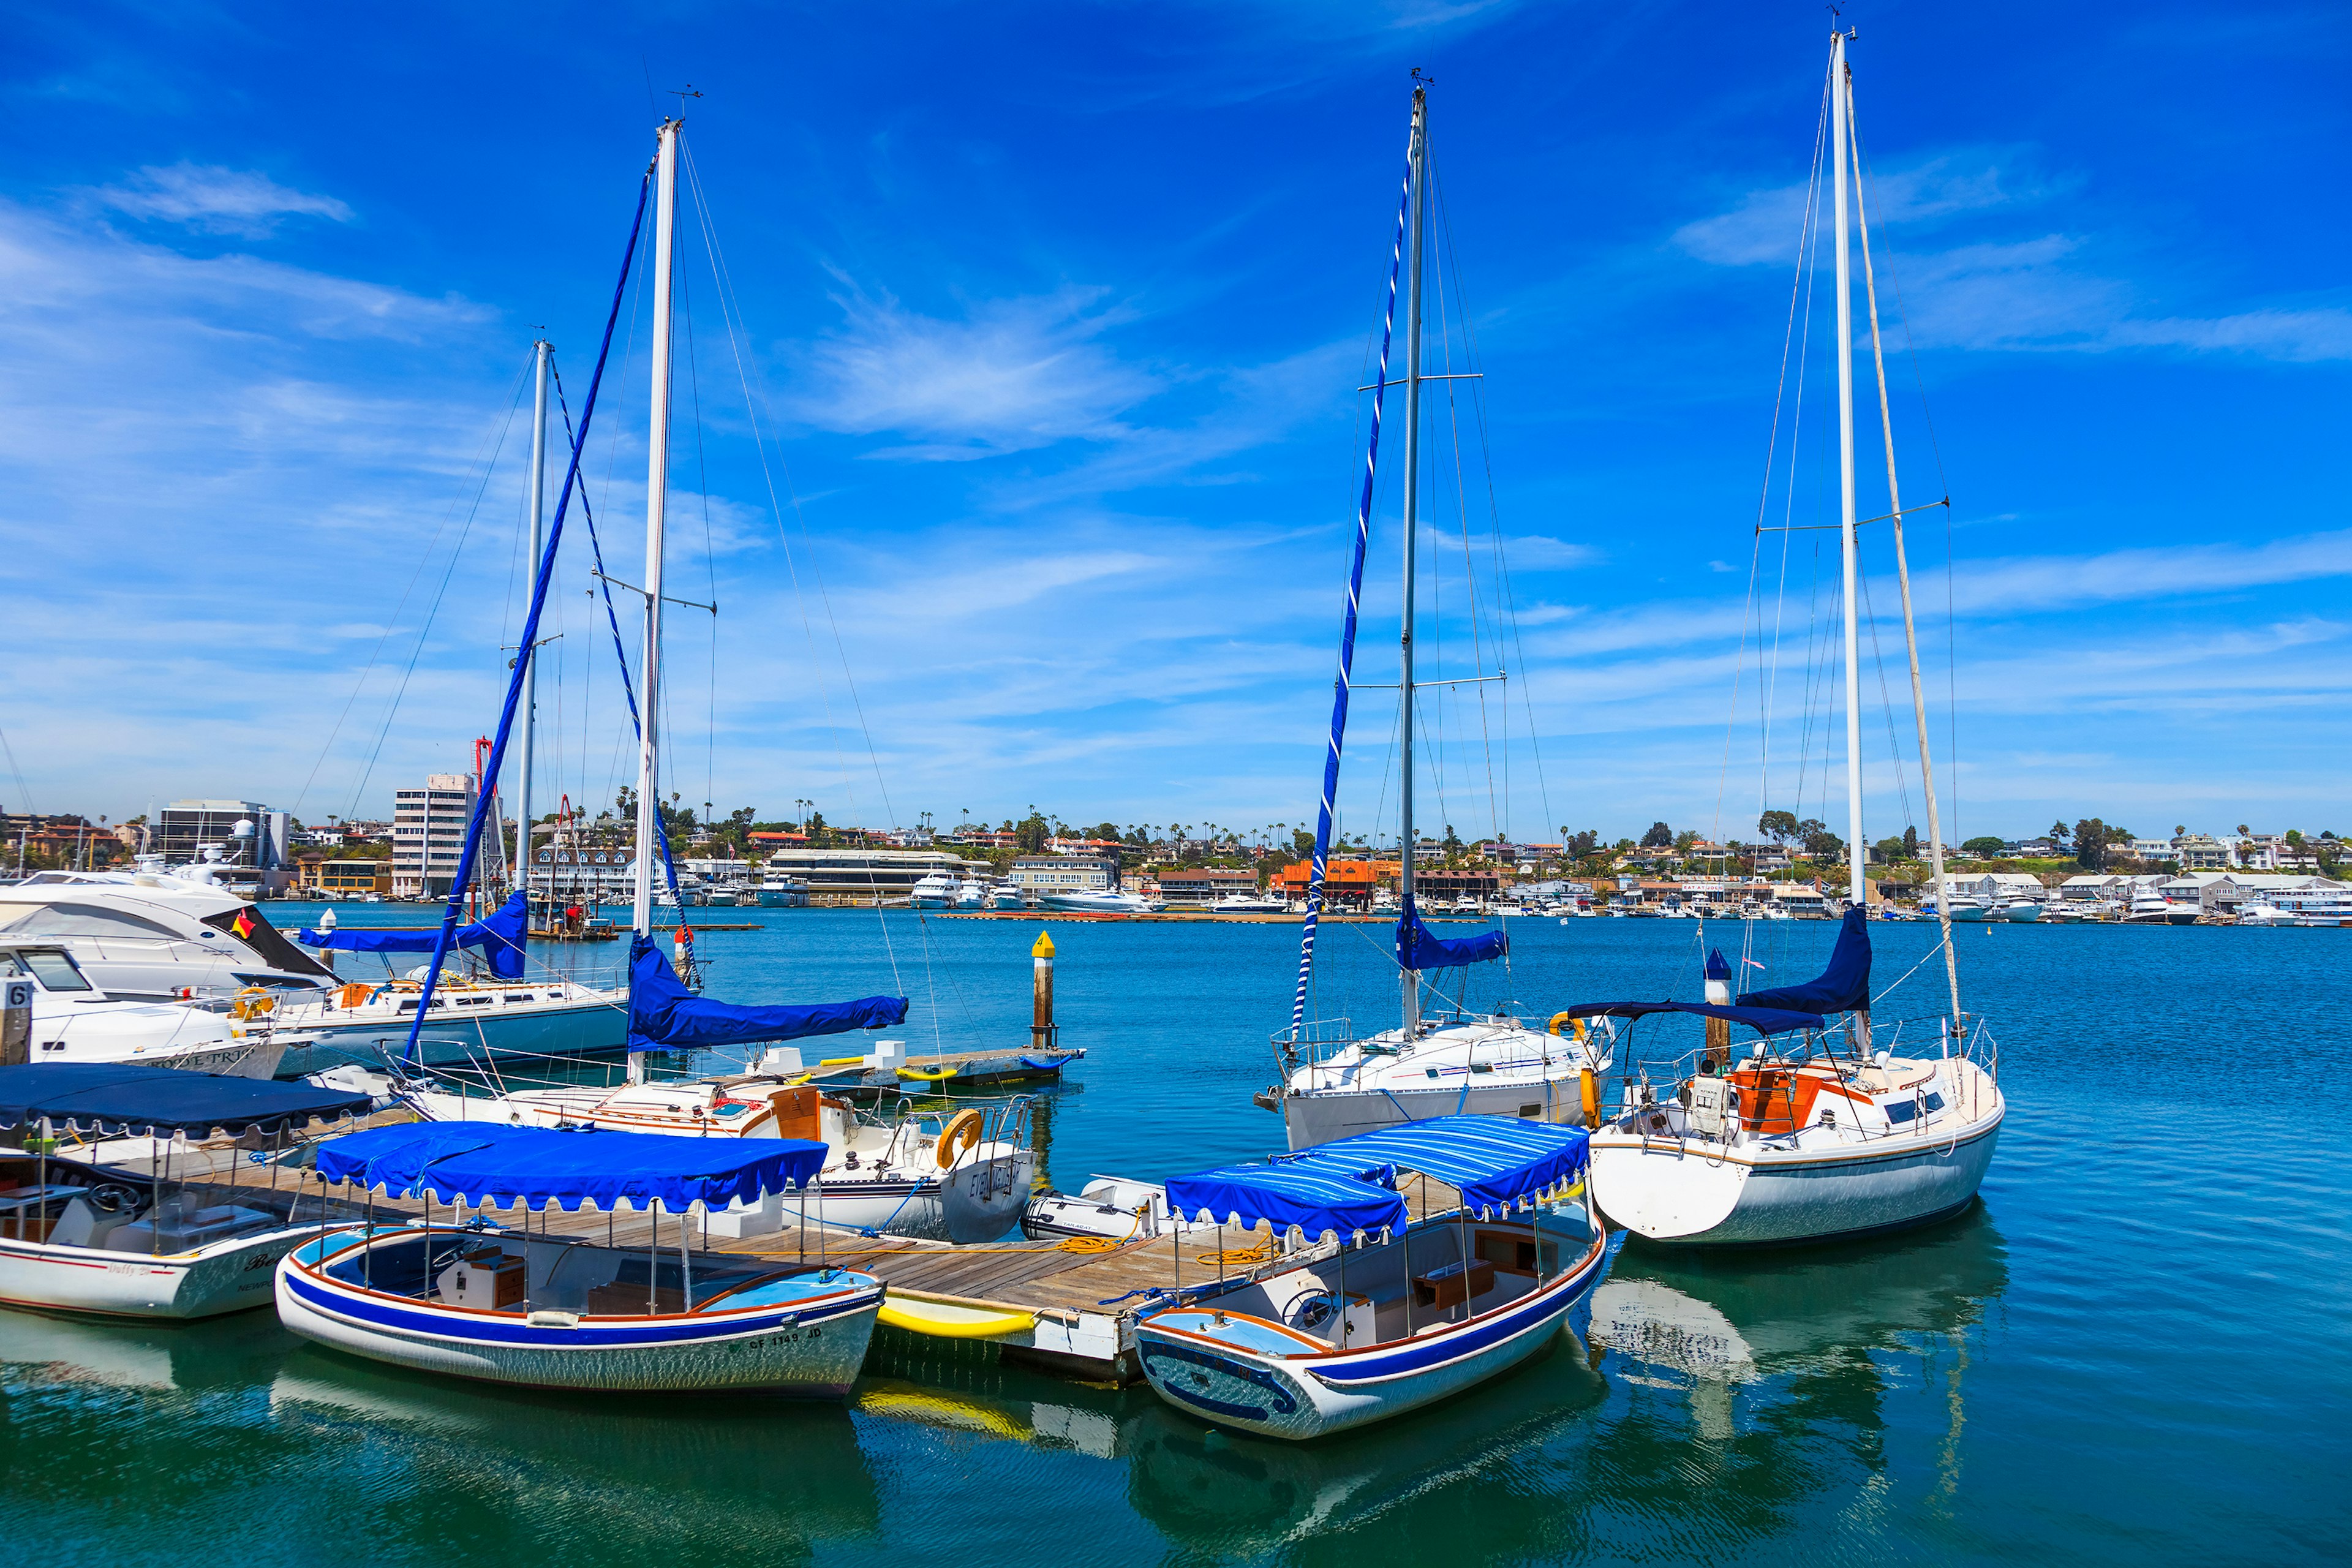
1080	1301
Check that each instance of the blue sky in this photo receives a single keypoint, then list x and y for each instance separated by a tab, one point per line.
1053	316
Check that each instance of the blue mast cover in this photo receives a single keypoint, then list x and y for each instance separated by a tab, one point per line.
499	934
486	1162
1843	987
1418	947
664	1015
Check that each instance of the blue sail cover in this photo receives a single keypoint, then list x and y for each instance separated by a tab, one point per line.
1418	948
1763	1020
1844	986
499	935
1312	1191
664	1015
489	1163
132	1100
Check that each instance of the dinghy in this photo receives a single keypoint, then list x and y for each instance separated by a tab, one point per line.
1393	1315
140	1226
522	1305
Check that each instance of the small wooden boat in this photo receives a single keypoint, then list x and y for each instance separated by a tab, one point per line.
81	1234
523	1305
1363	1330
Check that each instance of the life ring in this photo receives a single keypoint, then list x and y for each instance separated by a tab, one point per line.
1576	1026
961	1132
253	1002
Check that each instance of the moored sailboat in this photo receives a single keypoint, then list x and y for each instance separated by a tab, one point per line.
1816	1134
1439	1059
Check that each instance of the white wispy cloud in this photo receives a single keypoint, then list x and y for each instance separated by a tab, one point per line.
214	200
2043	291
1009	375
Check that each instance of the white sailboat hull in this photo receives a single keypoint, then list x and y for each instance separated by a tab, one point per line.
1695	1191
227	1277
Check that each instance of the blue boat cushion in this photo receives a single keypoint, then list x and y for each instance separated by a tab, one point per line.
488	1163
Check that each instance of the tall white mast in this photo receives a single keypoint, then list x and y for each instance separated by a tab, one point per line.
542	350
1411	521
1903	577
641	920
1838	132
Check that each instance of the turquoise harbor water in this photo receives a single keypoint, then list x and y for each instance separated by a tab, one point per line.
2135	1350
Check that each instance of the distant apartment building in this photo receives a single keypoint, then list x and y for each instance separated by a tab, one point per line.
1038	875
428	835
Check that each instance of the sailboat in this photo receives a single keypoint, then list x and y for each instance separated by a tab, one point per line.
1438	1061
965	1180
492	1012
1814	1135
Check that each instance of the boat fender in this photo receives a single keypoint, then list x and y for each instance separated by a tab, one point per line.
548	1318
1575	1027
961	1132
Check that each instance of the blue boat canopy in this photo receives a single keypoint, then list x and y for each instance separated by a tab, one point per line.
1844	986
664	1015
499	935
1311	1191
491	1162
1418	948
126	1098
1763	1020
1493	1161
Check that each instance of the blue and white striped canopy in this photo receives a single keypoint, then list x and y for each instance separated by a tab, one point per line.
1493	1161
1306	1190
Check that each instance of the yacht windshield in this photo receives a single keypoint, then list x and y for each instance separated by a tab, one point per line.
54	970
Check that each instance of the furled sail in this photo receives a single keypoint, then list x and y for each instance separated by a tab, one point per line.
1843	987
1417	947
499	935
664	1015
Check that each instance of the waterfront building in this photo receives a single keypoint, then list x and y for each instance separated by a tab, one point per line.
347	878
2091	887
1038	874
861	876
1202	885
1345	882
2002	886
428	835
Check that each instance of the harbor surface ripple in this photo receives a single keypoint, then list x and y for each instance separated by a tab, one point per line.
2134	1350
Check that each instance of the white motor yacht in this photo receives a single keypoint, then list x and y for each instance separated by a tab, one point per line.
777	890
2150	908
2022	910
148	936
1102	901
1006	897
935	891
76	1021
1250	904
971	896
